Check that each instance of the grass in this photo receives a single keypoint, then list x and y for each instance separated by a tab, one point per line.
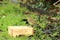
8	17
12	15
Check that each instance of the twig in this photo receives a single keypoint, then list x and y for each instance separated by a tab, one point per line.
56	3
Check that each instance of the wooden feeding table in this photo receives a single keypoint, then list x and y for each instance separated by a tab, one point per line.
20	30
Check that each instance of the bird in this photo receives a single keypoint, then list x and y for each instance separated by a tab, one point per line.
31	21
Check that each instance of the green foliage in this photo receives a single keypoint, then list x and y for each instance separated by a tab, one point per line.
58	5
12	15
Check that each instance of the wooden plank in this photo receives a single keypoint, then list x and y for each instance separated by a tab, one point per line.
20	30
